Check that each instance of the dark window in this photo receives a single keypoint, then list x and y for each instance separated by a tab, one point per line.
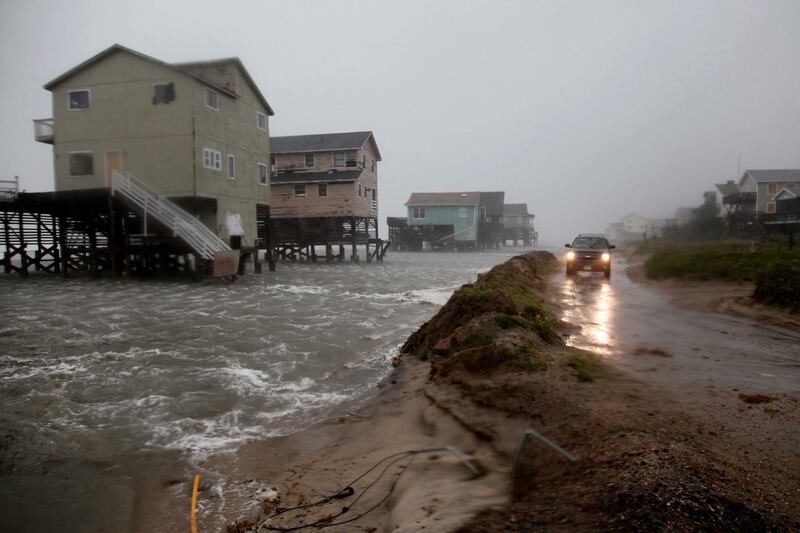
79	99
338	159
373	165
359	190
272	165
164	93
81	164
231	166
322	189
262	173
373	195
299	191
212	99
309	160
419	212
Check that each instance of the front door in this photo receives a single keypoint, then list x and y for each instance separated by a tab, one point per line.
114	161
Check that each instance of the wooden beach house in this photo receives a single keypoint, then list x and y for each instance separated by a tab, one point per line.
325	193
171	158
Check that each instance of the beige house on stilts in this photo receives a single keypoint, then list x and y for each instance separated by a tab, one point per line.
198	133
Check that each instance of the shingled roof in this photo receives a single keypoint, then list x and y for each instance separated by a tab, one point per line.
444	198
322	142
727	188
773	175
183	68
331	176
515	210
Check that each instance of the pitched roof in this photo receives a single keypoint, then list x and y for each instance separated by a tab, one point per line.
330	176
515	210
444	198
184	68
773	175
493	203
727	188
321	142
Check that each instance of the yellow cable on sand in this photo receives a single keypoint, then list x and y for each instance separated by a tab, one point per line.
193	510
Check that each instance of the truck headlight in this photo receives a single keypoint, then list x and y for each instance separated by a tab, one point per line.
570	256
606	257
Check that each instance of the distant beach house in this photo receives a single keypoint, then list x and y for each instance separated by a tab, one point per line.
760	190
198	133
325	175
518	224
461	210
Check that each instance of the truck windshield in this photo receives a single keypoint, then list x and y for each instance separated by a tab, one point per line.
597	243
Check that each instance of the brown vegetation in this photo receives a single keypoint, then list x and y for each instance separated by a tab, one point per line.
643	464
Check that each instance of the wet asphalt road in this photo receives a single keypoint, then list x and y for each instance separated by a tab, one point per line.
703	350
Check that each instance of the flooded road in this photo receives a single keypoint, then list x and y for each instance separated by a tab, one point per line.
638	329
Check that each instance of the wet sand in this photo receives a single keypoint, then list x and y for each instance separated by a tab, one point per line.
671	408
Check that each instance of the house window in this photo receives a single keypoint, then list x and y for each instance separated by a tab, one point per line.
212	159
373	165
79	99
462	212
322	189
299	191
273	166
363	161
309	160
770	207
212	99
81	164
419	212
373	195
231	166
261	170
366	191
359	190
338	159
163	93
772	188
261	121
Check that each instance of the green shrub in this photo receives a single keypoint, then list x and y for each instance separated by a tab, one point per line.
779	284
586	368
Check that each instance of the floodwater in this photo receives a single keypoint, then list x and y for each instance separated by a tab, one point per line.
109	388
638	329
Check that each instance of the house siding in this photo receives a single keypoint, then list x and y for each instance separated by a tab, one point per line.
163	144
466	229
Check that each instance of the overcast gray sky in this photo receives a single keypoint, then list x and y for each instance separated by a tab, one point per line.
584	110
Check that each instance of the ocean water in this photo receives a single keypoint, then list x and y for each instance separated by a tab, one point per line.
105	385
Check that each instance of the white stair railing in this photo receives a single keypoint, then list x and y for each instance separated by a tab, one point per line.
182	223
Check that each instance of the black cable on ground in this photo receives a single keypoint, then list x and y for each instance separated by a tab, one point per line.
326	521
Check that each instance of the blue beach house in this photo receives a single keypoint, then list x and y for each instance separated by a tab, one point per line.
461	210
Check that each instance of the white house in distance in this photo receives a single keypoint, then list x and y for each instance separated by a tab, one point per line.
633	227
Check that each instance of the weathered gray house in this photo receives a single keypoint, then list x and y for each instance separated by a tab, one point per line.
761	189
518	224
197	133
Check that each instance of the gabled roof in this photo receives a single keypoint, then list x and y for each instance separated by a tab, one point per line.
493	203
515	210
322	142
773	175
183	68
784	194
331	176
727	188
444	198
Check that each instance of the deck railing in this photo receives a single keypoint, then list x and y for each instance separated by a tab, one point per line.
9	189
44	130
183	225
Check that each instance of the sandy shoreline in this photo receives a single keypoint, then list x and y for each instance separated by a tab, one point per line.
644	462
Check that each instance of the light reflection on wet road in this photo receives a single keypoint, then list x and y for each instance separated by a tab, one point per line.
619	318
